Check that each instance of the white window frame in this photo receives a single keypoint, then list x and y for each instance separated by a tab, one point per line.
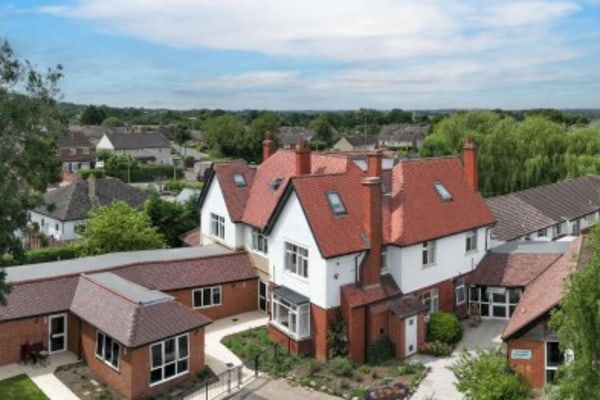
431	298
217	225
546	366
297	317
212	291
428	253
541	233
296	259
471	241
108	357
179	356
460	288
589	219
259	241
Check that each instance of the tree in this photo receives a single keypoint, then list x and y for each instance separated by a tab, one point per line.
93	115
577	321
323	130
172	219
120	227
225	135
267	121
112	122
28	155
485	375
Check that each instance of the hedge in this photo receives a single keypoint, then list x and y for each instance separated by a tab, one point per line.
444	327
46	254
148	173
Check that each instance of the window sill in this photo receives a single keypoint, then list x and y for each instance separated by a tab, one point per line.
296	276
152	384
424	266
469	252
205	307
117	369
283	329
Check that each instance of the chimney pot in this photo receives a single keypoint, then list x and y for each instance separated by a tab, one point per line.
268	146
374	166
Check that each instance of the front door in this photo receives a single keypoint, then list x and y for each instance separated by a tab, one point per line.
263	296
410	328
57	333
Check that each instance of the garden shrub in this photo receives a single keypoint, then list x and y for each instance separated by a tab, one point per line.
380	351
97	173
337	337
340	366
437	348
444	327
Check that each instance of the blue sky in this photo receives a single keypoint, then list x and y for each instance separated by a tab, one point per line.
314	54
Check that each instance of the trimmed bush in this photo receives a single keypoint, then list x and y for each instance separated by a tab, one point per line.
46	254
444	327
97	173
437	348
340	366
380	351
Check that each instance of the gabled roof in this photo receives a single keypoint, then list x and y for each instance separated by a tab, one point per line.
416	211
402	132
545	292
289	135
516	264
272	177
128	141
235	196
129	313
544	206
73	139
334	234
72	202
361	140
358	296
181	274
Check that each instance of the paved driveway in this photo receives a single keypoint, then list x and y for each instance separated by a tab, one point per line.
439	383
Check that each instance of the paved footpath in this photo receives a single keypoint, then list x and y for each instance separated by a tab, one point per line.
439	384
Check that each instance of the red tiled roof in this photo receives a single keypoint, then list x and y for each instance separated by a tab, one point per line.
511	270
544	293
192	238
235	196
38	298
181	274
417	211
334	234
264	196
132	323
358	296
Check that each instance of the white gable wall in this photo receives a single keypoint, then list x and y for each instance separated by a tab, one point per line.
406	266
105	144
215	203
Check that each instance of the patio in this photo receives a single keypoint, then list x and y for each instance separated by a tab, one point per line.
43	376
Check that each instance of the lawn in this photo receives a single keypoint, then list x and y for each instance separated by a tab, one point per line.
20	387
337	376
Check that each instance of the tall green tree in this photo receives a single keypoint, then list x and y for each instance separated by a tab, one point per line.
225	135
323	131
266	121
172	219
578	323
29	120
93	115
120	227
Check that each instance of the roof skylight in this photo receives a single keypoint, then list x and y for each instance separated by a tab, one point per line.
336	204
442	191
239	180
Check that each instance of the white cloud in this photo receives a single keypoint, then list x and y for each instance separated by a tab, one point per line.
252	80
343	30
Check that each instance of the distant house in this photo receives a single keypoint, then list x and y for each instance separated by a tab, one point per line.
76	151
356	143
94	132
144	147
546	212
69	205
533	347
288	136
403	135
136	319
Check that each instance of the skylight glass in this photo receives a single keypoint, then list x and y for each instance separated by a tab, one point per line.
442	191
239	180
336	204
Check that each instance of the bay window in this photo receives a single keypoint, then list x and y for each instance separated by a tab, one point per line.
291	313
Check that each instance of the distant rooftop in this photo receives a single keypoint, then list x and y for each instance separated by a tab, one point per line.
104	261
531	247
129	290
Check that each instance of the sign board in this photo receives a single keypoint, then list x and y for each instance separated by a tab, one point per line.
520	354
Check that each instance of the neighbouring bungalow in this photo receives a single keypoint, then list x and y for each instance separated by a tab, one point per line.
136	319
356	143
546	212
532	346
150	147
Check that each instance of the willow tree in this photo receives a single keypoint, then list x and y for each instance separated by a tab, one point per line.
29	119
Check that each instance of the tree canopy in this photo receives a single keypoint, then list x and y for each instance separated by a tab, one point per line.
578	323
29	121
119	227
172	219
93	115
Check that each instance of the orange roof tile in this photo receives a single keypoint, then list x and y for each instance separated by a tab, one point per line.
235	196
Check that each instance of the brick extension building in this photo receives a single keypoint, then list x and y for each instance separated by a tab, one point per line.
382	243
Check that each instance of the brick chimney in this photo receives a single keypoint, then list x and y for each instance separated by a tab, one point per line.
302	158
268	146
374	166
470	164
373	225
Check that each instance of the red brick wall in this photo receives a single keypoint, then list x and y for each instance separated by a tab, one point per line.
532	370
304	347
133	378
320	320
236	298
15	333
446	300
356	334
378	325
397	336
73	335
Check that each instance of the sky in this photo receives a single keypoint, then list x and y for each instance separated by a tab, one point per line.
314	54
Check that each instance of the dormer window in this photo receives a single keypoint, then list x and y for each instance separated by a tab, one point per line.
336	204
442	191
275	184
239	180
